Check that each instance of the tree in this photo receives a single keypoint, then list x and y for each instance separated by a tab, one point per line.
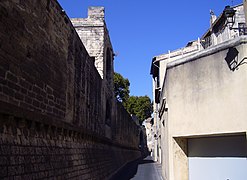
141	106
121	88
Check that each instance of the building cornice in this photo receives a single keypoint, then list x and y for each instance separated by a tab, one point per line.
206	52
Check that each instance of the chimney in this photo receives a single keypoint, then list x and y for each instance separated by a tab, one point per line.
212	18
96	12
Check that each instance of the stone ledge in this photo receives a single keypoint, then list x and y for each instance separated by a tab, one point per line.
12	113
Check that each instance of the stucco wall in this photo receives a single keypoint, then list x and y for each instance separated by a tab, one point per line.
204	98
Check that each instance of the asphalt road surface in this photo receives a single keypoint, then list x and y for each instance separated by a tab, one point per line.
142	169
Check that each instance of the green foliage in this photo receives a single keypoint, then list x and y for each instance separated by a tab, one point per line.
121	87
141	106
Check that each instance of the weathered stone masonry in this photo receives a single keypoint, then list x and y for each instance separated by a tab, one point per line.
53	100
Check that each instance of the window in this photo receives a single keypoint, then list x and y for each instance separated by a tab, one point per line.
242	29
108	64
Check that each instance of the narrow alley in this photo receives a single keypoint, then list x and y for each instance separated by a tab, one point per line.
142	169
67	113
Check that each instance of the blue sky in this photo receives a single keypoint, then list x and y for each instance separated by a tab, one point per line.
141	29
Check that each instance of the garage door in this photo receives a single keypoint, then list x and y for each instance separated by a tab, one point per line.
217	158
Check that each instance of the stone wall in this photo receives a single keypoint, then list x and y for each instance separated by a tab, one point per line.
47	149
94	35
52	124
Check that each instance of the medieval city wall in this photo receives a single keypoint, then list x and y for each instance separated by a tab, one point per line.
51	122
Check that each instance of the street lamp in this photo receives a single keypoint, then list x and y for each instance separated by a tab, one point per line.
229	13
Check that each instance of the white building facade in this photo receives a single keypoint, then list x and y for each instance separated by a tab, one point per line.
200	94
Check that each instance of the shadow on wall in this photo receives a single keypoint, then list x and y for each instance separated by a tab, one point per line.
232	59
222	146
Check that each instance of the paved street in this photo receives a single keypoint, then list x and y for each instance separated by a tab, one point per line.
145	169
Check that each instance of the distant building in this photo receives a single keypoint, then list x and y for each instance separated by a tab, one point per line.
223	28
148	123
245	10
200	94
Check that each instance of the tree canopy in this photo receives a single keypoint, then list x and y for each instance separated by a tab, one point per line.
141	106
121	87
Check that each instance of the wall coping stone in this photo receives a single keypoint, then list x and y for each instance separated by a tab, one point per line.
23	114
206	52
